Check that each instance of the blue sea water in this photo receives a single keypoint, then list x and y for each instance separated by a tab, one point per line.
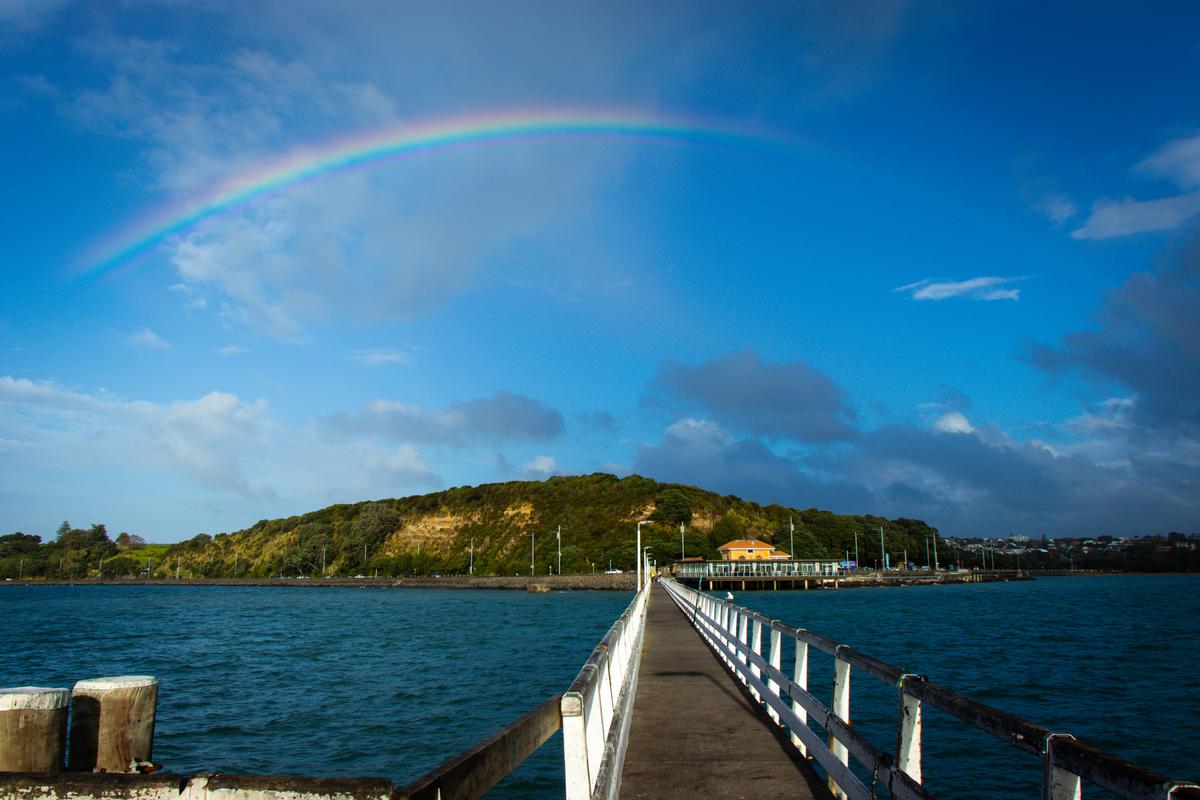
1112	660
349	681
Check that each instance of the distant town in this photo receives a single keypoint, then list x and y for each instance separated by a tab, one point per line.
1174	552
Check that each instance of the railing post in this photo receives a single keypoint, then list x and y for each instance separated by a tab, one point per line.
743	623
800	678
756	648
908	737
1058	783
841	708
575	758
776	661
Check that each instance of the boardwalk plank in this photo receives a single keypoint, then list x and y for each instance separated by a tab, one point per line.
695	731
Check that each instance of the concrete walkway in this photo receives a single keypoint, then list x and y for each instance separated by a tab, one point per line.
696	732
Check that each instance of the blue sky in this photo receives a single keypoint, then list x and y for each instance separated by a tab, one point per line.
953	273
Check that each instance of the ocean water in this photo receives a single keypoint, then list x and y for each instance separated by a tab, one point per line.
392	682
316	681
1112	660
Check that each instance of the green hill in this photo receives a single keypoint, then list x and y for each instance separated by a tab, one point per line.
434	532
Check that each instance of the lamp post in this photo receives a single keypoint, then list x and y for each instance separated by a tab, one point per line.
638	553
646	561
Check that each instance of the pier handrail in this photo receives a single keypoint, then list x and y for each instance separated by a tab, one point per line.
736	633
596	709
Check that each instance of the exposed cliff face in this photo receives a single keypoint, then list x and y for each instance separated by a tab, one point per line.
433	533
494	526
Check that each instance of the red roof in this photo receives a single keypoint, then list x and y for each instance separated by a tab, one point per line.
746	544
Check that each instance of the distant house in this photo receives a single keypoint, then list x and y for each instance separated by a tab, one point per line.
750	550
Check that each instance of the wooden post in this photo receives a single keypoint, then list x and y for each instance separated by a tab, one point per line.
800	678
756	648
840	707
776	661
33	729
908	739
112	723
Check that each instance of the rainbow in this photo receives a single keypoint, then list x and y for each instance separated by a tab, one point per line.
362	150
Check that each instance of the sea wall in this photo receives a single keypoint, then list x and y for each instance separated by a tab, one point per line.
622	582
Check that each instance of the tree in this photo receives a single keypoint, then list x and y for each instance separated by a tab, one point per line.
129	541
672	506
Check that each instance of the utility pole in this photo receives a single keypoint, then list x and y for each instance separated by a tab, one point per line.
882	552
682	544
323	560
935	560
471	568
791	538
927	551
531	547
856	561
558	536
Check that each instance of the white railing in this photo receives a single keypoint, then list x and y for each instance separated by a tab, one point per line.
597	709
759	569
736	634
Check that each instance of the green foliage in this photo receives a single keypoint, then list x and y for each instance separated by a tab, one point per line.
671	505
434	533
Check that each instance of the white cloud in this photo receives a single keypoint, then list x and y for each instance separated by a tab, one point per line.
27	15
1057	208
954	422
219	450
539	467
1177	160
232	350
377	358
503	417
1111	218
205	438
985	288
401	465
148	338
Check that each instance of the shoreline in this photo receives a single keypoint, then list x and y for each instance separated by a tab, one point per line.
599	582
543	583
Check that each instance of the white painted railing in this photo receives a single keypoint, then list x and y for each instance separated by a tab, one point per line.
735	633
596	710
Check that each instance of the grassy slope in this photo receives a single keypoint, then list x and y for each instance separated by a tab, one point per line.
433	532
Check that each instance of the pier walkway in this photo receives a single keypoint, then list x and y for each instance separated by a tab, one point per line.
695	732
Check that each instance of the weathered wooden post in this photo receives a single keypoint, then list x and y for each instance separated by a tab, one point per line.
33	729
776	663
908	735
112	723
800	678
756	648
841	708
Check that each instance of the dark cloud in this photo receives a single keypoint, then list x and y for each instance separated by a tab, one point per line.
965	484
701	453
600	421
1148	343
983	484
779	401
503	417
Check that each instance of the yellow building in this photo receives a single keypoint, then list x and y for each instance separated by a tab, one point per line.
750	550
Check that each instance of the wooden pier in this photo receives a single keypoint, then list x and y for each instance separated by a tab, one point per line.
695	733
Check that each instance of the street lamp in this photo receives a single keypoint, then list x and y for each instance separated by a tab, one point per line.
646	561
638	552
